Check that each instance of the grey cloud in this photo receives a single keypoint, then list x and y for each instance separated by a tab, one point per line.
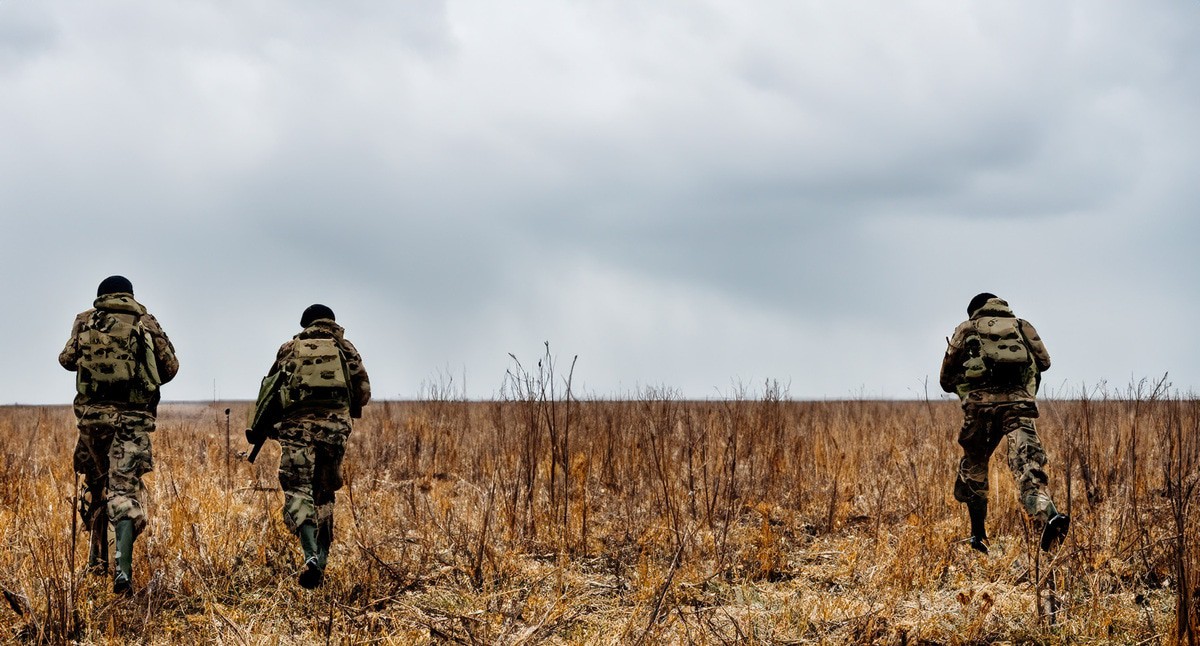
681	193
26	33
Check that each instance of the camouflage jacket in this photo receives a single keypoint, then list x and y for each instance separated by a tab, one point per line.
121	303
953	379
360	385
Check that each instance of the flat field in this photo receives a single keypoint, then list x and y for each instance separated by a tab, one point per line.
754	520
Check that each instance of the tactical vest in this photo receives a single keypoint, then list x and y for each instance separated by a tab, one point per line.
116	360
316	375
997	352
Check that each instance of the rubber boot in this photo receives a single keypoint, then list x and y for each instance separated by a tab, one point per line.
1055	530
324	540
123	580
978	513
312	572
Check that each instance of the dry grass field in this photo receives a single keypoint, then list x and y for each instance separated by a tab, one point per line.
541	519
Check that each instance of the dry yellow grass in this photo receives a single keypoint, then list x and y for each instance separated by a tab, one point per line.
752	520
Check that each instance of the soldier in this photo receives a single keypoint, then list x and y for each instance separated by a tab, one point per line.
120	356
994	363
322	386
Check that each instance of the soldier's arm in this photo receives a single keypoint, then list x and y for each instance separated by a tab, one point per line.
164	351
359	381
951	373
1041	356
69	357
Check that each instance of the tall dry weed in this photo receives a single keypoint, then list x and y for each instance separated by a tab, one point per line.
543	517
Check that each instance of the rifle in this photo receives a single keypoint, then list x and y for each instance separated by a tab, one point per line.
99	537
268	410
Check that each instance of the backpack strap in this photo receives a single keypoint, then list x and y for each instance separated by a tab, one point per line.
1037	373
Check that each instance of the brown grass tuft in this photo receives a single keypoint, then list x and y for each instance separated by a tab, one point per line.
541	518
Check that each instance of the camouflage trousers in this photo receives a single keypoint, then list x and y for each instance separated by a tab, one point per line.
112	454
310	467
984	425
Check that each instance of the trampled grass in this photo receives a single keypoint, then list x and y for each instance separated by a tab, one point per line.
655	520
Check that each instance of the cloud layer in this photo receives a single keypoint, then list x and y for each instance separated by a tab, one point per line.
689	195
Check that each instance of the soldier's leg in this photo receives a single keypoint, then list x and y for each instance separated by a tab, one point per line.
978	439
331	449
91	461
296	463
129	459
1027	461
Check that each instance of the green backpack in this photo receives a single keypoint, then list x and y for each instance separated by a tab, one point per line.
997	352
116	360
316	375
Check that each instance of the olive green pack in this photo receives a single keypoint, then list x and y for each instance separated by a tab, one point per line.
316	375
116	360
997	352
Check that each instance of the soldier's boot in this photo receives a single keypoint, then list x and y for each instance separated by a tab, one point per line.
978	513
123	580
1055	530
324	540
312	572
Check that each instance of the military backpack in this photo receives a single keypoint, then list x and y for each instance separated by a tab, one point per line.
998	353
116	359
316	375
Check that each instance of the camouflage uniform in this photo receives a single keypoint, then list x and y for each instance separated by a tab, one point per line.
995	411
312	439
113	450
113	453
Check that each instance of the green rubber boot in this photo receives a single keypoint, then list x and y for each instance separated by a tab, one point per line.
978	512
324	540
312	573
123	580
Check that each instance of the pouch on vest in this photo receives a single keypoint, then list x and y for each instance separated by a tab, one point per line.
316	375
974	368
112	366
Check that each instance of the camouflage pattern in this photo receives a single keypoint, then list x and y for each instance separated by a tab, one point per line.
317	374
360	385
953	378
983	427
113	449
113	453
164	352
310	465
312	438
994	411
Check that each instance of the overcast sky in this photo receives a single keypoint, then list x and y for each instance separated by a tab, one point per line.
691	195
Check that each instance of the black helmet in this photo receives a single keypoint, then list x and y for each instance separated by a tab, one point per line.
314	312
978	302
114	285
